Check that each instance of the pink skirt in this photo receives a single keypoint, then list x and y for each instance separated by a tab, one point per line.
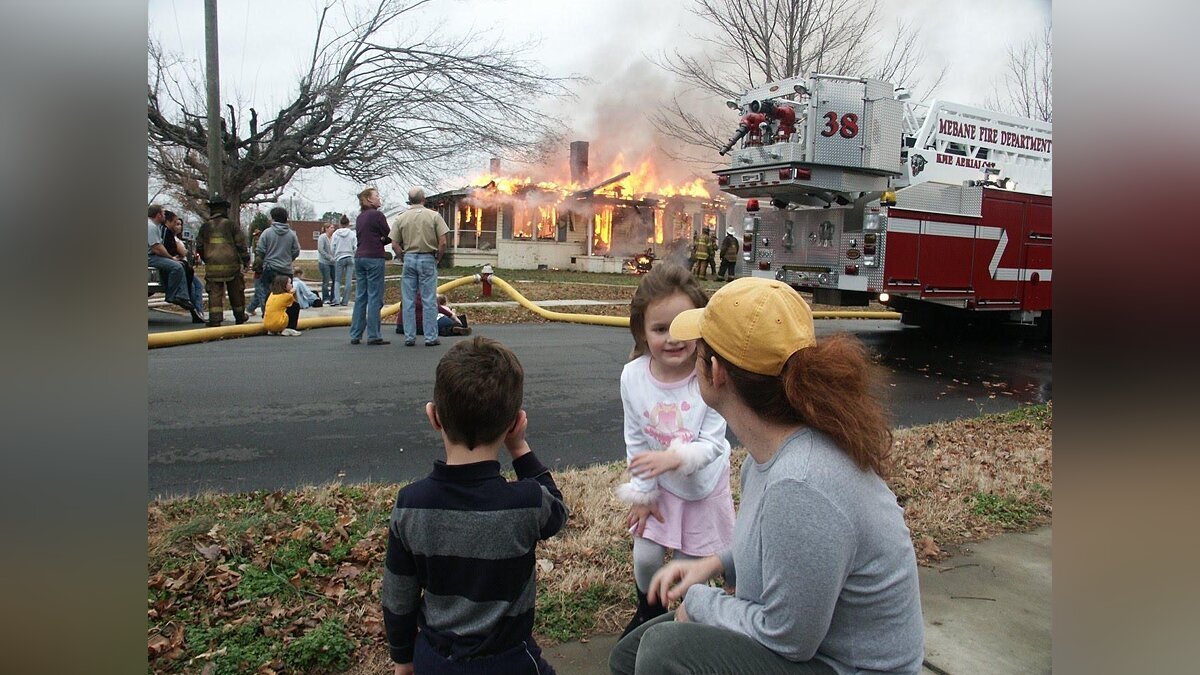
696	528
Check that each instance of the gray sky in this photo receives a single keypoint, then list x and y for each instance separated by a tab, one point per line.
265	43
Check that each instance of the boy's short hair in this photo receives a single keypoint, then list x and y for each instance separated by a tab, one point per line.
441	298
279	214
478	390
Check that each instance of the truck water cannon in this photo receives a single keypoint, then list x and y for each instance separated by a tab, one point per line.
751	121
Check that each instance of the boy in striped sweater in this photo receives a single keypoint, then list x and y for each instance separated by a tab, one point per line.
459	583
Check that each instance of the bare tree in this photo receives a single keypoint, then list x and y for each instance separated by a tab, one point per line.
759	41
368	106
1028	85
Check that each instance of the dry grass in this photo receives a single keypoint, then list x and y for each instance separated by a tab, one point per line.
285	579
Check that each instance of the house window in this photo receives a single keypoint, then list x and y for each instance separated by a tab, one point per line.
476	227
531	221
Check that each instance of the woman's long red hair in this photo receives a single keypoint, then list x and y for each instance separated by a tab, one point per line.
832	387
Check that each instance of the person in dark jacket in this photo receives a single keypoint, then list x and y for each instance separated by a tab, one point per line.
459	579
371	229
729	254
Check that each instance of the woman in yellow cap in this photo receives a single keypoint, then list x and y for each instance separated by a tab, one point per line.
822	564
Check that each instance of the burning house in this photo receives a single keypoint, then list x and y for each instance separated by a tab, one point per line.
582	224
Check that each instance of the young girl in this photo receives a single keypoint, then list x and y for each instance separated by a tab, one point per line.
282	311
678	457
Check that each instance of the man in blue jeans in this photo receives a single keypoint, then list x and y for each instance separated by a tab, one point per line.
419	234
170	271
372	229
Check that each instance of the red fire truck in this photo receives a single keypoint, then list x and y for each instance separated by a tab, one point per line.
853	192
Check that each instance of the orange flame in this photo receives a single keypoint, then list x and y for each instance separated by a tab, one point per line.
602	236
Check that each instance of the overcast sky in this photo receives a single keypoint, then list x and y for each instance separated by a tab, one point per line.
265	43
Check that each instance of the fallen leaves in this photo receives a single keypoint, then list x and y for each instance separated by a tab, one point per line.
317	553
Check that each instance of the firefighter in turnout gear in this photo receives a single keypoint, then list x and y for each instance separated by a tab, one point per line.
702	248
729	254
222	246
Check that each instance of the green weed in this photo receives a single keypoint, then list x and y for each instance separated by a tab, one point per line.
1010	512
1039	415
326	648
570	616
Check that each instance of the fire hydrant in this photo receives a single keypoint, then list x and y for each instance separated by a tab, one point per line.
485	278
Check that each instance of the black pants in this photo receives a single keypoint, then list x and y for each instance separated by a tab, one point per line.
726	269
293	312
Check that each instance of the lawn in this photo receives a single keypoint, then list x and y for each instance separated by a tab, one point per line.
289	581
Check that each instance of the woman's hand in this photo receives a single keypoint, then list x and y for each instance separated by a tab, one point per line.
639	515
672	581
651	464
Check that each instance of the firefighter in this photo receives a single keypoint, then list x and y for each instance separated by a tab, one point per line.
712	251
729	254
222	246
700	254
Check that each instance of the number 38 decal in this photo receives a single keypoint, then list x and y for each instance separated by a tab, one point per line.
846	128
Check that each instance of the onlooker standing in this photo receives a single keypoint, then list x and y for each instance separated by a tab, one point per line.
222	247
260	289
345	241
157	256
372	229
729	254
325	261
420	235
279	246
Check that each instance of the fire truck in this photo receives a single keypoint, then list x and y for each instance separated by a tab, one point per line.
853	192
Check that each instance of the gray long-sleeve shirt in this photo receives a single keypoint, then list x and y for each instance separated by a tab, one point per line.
279	247
824	564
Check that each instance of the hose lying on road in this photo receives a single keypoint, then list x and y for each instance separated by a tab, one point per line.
195	335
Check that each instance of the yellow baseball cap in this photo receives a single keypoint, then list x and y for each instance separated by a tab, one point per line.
755	324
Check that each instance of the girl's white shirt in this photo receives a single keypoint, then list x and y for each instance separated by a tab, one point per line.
671	415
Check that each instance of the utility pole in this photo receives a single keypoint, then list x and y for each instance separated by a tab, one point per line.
213	77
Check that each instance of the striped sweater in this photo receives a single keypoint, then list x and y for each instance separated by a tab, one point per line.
460	557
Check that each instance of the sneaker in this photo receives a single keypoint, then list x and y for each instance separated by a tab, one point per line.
433	344
409	343
378	341
355	341
290	332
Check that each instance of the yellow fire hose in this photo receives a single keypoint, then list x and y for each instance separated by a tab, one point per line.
195	335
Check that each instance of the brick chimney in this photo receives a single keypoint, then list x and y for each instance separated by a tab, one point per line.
579	162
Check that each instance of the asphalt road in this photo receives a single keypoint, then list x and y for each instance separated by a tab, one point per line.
266	413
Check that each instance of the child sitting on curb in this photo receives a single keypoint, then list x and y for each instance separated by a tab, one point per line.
450	323
304	296
282	312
